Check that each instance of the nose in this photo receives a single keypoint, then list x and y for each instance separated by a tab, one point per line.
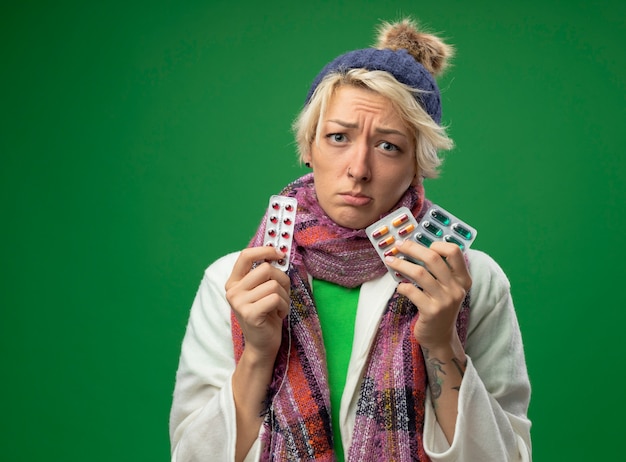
359	164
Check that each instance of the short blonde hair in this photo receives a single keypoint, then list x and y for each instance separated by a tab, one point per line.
428	136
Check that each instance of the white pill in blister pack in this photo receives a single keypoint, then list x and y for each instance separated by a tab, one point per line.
279	226
436	225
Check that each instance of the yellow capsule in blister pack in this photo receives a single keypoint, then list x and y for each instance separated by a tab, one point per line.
406	230
391	252
380	232
400	220
398	226
386	242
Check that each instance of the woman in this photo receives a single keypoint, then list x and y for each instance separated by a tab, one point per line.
335	359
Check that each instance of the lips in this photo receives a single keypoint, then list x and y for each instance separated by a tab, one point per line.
356	199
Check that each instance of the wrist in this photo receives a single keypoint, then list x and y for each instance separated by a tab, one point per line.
451	349
250	381
257	361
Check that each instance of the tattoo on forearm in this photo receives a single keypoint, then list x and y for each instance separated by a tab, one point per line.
461	368
434	369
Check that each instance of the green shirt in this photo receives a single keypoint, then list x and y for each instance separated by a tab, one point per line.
336	308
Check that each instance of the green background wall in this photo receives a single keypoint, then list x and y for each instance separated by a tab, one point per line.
139	141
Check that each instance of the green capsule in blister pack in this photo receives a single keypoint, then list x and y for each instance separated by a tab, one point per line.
440	225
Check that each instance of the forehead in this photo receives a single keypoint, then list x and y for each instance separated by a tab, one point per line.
350	102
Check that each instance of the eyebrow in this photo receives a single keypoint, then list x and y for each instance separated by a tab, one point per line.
384	131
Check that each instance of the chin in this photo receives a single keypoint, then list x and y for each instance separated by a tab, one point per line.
353	222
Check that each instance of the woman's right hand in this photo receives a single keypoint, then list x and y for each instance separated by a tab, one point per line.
259	297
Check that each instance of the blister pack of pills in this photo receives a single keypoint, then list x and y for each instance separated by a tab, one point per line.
440	225
281	219
437	225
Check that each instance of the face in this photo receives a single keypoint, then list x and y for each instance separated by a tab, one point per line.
365	159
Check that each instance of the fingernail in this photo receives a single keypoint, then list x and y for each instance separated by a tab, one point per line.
390	258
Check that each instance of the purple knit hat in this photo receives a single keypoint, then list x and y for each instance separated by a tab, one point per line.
398	63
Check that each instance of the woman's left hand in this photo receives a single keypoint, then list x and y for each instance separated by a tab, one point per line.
443	282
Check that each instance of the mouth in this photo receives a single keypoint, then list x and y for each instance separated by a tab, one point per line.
355	199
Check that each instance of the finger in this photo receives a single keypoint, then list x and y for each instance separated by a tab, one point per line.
265	272
432	260
444	278
412	269
416	295
267	289
263	301
423	283
455	260
257	284
443	273
248	257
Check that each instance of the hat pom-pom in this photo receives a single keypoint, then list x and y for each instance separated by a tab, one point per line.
429	50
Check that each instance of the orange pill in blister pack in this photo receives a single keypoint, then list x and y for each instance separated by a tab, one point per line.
386	242
396	227
406	229
391	252
380	232
281	218
403	218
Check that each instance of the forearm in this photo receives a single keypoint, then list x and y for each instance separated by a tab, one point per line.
492	422
485	431
445	367
250	382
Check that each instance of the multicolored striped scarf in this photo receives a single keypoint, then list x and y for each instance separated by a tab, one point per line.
390	411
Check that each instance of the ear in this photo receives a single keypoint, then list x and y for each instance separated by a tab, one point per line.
306	158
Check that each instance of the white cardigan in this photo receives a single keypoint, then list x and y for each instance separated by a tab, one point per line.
492	423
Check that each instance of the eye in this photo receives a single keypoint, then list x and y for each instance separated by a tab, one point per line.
385	146
337	137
